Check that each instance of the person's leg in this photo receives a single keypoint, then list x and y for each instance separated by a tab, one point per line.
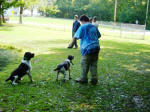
84	70
71	45
76	46
93	68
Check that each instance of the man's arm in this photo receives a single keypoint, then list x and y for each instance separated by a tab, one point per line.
98	33
77	35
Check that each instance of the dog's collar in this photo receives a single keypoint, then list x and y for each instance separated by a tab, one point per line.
67	60
24	58
26	62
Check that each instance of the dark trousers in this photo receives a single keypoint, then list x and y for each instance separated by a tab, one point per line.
74	43
89	62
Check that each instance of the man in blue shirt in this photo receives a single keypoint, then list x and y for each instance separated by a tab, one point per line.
75	27
89	45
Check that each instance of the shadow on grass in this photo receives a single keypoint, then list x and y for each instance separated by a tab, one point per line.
6	27
6	57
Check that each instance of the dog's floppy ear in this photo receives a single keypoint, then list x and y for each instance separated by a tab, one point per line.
70	57
33	54
28	55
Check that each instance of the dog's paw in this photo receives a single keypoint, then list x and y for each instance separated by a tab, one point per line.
14	83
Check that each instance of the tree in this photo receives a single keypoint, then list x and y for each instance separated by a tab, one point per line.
4	5
47	8
1	13
24	4
31	5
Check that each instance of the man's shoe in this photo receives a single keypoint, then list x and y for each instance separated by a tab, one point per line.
81	81
76	47
69	47
94	81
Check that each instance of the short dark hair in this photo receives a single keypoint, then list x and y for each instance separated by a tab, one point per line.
84	18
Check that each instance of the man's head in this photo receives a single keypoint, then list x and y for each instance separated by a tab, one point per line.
76	17
90	20
84	19
94	18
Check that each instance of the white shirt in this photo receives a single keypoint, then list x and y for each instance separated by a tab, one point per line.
95	24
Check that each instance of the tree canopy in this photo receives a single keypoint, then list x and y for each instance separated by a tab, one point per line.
128	11
4	5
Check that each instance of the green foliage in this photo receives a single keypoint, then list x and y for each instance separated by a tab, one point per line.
51	11
4	5
26	3
101	9
127	10
148	23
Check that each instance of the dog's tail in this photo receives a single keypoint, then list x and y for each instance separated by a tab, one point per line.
7	79
55	69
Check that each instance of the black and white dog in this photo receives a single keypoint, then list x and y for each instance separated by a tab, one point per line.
23	69
65	66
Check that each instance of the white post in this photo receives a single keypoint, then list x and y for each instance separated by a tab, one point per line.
115	10
146	18
0	14
147	12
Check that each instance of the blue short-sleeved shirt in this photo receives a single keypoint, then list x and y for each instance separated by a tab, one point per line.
76	25
89	36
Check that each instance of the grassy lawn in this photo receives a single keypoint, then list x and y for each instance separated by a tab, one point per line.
45	20
123	68
108	31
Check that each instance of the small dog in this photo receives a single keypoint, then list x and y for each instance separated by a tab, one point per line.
65	66
23	69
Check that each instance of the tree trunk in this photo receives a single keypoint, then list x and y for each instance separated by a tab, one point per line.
32	12
32	9
115	11
3	17
0	20
0	15
21	12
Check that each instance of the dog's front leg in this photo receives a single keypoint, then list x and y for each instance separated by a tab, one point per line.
15	79
30	77
69	75
57	76
64	76
72	63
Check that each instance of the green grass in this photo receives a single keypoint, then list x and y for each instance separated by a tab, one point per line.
123	68
66	25
45	20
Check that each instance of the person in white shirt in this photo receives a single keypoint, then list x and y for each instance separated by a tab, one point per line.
95	21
